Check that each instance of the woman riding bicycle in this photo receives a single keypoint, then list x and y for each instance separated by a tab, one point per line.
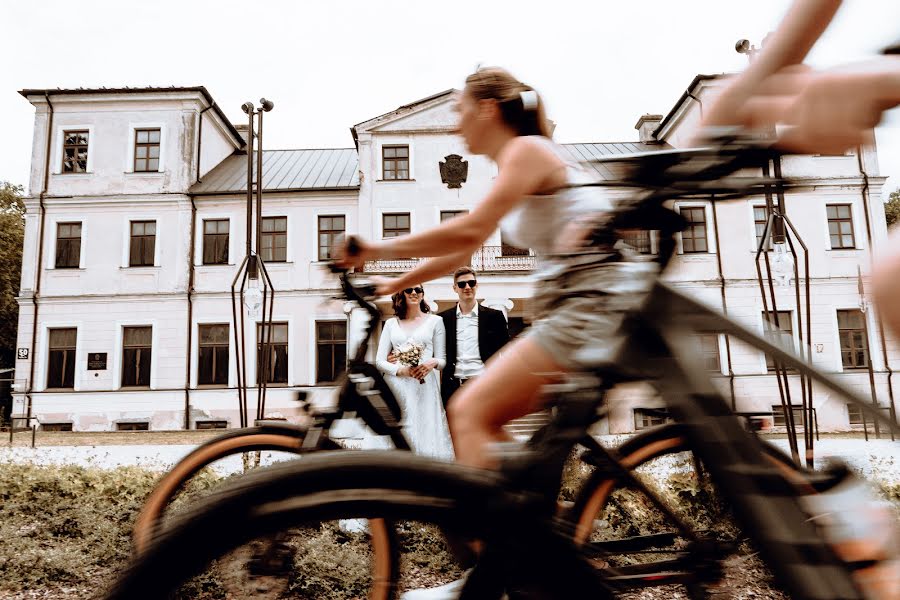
502	118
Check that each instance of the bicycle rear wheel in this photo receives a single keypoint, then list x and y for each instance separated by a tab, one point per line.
636	544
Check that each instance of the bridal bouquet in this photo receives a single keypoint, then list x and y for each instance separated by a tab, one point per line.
409	355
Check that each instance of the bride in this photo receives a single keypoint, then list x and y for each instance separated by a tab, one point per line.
417	388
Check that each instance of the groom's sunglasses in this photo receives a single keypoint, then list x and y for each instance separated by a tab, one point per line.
417	290
462	284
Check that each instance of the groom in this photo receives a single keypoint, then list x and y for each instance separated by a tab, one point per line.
474	334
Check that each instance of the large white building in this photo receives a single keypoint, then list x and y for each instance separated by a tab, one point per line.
135	229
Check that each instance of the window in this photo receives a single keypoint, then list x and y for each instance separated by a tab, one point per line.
146	150
212	367
68	245
273	240
331	350
760	218
782	334
137	354
854	414
650	417
277	368
75	151
395	162
709	352
133	426
693	238
143	243
330	227
840	226
778	413
215	242
854	345
446	215
212	425
394	224
637	239
61	365
56	427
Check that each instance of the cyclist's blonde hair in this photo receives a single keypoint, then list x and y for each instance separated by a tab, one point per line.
524	113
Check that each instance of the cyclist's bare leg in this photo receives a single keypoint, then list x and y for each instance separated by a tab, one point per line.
886	283
509	388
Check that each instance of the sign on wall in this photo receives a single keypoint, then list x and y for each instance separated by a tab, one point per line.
22	353
97	361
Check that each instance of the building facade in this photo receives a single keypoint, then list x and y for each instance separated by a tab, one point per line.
136	227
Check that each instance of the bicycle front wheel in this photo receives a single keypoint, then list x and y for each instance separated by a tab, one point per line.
268	533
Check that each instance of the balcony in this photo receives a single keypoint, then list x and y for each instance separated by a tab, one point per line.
487	259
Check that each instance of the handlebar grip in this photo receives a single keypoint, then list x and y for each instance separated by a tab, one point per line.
353	245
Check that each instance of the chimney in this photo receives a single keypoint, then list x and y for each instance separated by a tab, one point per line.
243	129
646	125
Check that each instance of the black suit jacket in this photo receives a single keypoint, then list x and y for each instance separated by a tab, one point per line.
492	335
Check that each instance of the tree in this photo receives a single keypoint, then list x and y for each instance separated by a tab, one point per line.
892	208
12	235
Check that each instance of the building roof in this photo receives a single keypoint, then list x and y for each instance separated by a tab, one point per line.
331	169
141	90
590	154
286	171
688	93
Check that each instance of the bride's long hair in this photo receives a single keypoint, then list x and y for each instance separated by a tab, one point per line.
398	301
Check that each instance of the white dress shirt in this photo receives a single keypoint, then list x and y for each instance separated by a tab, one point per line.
468	356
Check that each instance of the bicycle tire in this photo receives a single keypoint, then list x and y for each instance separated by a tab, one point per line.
385	571
329	486
260	438
594	495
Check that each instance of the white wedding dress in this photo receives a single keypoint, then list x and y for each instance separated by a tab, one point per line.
424	419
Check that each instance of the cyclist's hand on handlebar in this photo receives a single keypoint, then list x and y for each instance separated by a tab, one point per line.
352	251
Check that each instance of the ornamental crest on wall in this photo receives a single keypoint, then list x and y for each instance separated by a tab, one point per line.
454	170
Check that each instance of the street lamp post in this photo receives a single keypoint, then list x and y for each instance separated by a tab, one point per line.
252	290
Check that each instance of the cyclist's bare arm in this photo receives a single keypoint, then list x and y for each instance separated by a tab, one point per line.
820	112
787	46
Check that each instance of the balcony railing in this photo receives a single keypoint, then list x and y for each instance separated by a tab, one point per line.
487	259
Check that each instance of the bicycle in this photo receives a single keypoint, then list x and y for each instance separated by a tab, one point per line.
527	545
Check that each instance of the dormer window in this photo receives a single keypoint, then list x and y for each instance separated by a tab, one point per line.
75	151
146	150
395	162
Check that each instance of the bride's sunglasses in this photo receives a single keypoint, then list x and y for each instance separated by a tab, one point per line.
462	284
417	290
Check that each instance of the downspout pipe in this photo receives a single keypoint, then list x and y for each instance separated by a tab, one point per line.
190	284
865	199
40	260
724	302
190	316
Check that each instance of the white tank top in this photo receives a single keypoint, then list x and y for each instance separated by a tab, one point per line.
538	222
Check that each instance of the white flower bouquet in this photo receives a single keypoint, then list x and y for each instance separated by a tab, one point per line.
409	355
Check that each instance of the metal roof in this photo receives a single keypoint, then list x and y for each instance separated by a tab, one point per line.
338	168
286	170
588	154
141	90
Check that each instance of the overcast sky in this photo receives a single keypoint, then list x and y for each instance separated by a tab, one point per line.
328	65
